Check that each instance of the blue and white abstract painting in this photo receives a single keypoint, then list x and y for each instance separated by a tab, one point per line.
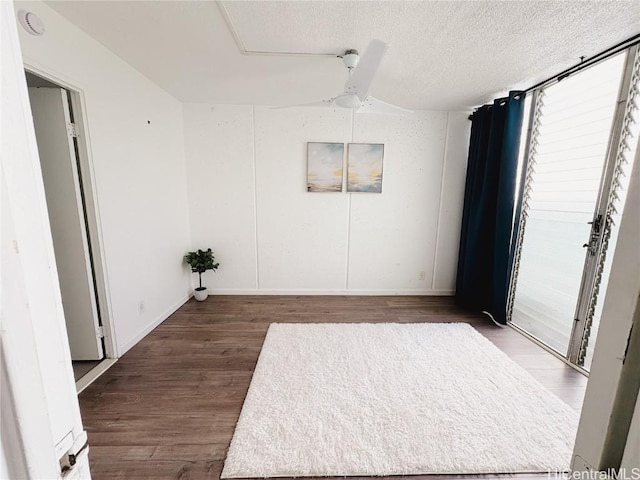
365	167
324	167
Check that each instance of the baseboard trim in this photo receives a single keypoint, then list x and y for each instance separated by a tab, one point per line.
124	348
332	292
93	374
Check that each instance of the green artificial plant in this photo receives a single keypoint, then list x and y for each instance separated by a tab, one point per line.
200	261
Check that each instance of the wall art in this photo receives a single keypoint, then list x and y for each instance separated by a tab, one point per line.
364	167
324	166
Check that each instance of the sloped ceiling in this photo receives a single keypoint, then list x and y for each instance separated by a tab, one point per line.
444	55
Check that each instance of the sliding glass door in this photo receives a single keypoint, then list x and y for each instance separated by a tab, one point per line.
580	135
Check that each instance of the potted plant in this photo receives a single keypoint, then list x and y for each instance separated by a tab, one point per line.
200	261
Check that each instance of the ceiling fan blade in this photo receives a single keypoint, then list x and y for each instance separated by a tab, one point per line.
323	103
362	76
373	105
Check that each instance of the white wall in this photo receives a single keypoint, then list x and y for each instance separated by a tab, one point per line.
246	176
136	149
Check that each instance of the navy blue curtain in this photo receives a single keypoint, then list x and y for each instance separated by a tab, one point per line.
490	214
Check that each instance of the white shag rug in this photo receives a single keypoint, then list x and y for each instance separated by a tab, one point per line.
394	399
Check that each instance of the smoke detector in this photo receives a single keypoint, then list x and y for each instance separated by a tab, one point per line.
32	23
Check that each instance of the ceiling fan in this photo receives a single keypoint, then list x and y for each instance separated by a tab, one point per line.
361	71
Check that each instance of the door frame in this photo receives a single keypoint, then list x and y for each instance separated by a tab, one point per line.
34	350
597	244
94	226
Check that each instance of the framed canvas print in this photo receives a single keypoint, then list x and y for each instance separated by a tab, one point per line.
364	167
324	166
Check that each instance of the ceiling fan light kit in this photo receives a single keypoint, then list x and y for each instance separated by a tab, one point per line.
348	100
361	71
350	59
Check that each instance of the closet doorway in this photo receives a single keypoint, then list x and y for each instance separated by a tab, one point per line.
580	147
67	184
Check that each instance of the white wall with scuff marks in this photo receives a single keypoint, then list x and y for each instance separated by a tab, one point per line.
136	151
246	176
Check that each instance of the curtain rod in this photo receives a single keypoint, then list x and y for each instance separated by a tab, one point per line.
609	52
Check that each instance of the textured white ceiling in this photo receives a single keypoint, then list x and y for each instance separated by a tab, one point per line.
443	55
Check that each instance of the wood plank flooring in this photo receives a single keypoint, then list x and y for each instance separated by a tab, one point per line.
168	408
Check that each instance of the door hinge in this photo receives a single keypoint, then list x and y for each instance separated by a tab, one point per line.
72	130
100	332
70	458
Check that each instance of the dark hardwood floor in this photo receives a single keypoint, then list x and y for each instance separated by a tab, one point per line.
168	408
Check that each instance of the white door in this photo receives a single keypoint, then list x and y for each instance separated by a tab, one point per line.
39	411
52	122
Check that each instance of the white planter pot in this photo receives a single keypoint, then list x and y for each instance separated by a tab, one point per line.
200	295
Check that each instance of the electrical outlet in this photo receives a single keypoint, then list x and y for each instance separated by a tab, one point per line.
422	275
141	307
